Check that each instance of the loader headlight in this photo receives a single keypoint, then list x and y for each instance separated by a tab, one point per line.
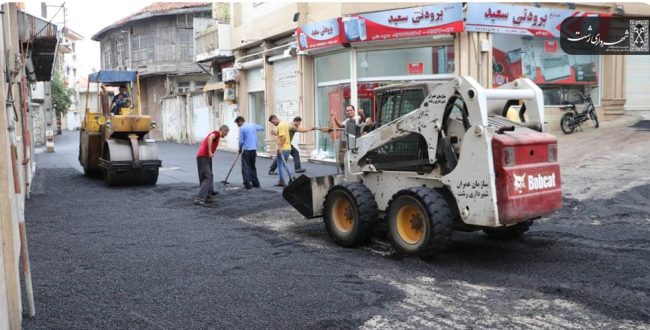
552	152
509	156
153	124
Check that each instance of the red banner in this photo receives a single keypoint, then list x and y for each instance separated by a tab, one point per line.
321	34
404	23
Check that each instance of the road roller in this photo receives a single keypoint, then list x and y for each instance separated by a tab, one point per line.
113	140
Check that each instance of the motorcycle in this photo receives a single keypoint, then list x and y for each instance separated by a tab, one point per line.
574	118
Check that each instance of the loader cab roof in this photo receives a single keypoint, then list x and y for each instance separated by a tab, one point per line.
113	77
426	85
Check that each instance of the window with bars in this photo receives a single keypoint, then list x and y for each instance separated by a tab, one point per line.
410	150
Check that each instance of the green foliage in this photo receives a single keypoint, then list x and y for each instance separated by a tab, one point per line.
60	94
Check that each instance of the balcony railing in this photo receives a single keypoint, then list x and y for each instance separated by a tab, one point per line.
211	42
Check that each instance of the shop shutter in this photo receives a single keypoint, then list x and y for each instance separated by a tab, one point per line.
637	84
254	79
286	89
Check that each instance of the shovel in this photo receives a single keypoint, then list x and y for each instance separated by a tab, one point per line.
225	181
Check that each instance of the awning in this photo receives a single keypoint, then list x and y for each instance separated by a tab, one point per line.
214	86
112	76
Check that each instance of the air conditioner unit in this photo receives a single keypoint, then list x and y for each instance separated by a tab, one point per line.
229	74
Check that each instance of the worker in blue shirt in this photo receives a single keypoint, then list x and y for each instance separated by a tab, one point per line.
248	151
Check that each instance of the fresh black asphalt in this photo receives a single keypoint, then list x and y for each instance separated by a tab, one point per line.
146	258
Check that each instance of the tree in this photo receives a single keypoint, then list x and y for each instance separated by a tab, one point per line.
60	94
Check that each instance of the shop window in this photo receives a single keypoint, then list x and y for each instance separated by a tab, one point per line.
405	62
332	80
330	100
333	67
560	76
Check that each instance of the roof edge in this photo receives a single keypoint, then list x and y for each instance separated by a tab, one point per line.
142	16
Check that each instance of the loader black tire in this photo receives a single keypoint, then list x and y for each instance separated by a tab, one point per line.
350	213
433	217
510	232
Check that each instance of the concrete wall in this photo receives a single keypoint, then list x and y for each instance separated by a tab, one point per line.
189	118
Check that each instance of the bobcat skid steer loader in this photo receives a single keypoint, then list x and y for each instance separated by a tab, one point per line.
443	158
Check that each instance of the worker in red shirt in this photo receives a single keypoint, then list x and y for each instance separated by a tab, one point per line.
204	164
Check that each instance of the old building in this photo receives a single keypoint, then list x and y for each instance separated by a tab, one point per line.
347	49
158	42
28	45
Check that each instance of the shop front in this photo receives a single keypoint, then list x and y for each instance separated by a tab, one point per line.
495	43
382	48
525	43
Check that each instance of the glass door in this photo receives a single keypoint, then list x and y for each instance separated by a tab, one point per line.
256	115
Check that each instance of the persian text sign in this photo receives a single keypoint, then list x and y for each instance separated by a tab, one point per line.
509	19
320	34
404	23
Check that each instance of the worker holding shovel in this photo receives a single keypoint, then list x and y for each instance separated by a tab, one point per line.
204	164
248	151
284	149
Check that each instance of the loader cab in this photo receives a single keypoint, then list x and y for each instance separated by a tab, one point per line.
409	152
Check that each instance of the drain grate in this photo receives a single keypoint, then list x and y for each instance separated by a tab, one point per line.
642	125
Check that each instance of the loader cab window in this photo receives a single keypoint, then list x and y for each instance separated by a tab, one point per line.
410	151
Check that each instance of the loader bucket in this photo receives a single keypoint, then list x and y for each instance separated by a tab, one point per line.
307	194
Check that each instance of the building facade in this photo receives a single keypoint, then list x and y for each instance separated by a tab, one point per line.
277	75
69	67
157	42
28	45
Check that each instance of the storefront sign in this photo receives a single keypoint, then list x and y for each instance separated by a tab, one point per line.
320	34
509	19
550	46
415	68
404	23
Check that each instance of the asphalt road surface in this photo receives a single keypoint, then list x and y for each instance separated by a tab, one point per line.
147	258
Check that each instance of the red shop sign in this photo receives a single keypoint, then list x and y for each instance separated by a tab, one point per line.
320	34
404	23
415	68
550	46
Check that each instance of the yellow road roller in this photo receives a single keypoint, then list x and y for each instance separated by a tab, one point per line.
112	138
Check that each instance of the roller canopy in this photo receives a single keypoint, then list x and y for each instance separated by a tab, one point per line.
112	77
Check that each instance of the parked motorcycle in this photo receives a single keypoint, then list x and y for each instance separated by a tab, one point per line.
574	119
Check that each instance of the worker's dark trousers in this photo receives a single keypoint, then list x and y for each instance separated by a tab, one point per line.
296	160
248	170
204	165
